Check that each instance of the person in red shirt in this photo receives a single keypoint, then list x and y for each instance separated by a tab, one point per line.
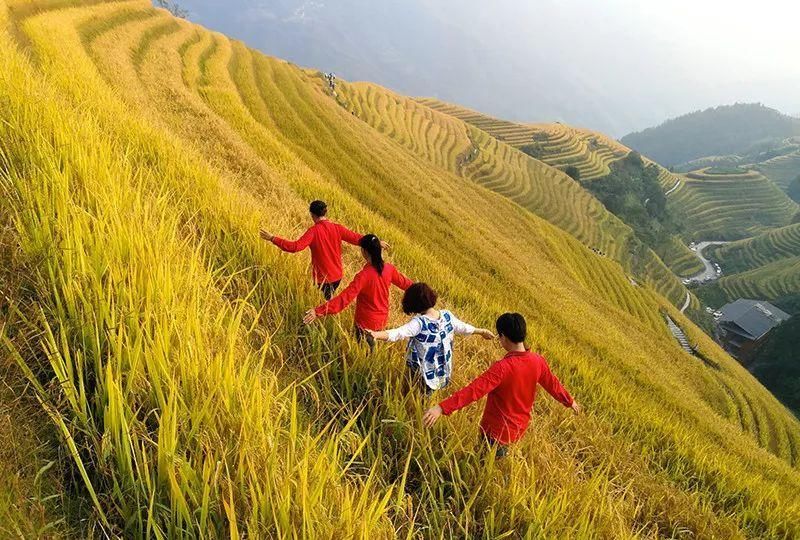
511	387
325	239
370	290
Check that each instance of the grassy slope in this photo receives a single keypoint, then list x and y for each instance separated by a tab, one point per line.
730	207
782	169
771	281
187	143
757	251
561	146
764	266
465	150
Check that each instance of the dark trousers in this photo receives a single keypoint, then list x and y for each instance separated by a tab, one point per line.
363	334
417	380
328	288
501	450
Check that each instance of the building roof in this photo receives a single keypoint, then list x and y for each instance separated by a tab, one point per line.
754	317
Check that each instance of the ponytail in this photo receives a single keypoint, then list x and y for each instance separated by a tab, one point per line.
372	245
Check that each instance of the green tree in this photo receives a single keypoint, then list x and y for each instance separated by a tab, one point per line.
573	172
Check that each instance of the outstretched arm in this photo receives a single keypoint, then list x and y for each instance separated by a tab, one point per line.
337	303
554	387
400	280
474	391
291	246
407	331
460	327
351	237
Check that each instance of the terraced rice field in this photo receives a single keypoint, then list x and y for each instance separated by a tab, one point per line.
764	266
772	281
460	147
557	145
142	154
730	207
782	169
680	258
760	250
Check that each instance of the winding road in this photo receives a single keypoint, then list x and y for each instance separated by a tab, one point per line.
708	273
687	302
673	188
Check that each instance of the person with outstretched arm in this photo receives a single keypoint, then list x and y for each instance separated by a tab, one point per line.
429	355
369	288
510	386
325	239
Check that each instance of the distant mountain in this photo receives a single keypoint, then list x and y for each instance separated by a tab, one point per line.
717	131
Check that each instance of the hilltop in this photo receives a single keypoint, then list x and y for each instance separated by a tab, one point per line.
162	342
717	131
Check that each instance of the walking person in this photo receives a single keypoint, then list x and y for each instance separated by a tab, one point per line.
325	239
511	387
429	355
369	288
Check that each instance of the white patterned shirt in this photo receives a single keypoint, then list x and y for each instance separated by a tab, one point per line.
430	346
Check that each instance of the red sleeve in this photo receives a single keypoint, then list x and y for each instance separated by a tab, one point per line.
553	386
348	236
400	280
343	299
475	390
293	246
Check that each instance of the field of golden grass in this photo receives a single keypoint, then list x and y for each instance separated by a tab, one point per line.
140	155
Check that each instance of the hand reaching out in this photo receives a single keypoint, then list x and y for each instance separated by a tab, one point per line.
432	415
576	407
310	316
484	333
386	245
266	236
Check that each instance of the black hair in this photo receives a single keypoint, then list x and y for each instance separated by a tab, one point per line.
372	245
418	298
318	208
512	325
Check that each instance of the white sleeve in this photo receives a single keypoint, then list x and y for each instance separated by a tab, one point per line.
460	327
408	330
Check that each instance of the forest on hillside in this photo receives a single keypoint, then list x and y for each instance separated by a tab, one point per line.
716	131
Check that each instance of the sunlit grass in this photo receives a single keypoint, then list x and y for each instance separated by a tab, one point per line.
164	337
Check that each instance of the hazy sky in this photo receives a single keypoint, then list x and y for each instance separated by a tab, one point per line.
614	65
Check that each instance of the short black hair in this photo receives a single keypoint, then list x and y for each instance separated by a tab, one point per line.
318	208
418	298
512	325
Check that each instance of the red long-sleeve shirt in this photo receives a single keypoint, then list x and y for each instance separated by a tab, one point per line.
371	292
511	385
325	238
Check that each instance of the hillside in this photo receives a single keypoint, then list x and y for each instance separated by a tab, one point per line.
716	131
558	145
782	170
777	363
586	156
763	266
139	157
729	204
772	281
488	160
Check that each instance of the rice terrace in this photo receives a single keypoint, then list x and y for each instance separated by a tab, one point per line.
169	370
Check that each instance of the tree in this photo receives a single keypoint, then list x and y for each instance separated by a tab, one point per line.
794	189
173	7
573	172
